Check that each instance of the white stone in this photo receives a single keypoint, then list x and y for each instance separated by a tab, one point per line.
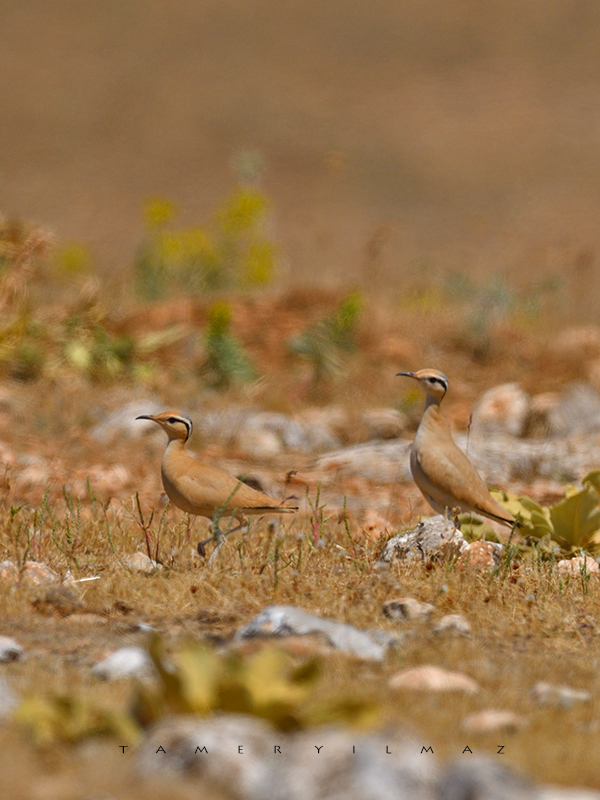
453	623
371	645
502	409
435	538
127	662
140	562
577	566
548	694
433	679
492	720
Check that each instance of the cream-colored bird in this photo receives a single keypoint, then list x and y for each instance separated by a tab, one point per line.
443	473
201	489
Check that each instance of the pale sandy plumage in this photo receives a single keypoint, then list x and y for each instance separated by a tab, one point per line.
443	473
201	489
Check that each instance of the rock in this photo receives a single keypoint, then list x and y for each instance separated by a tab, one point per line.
503	409
33	573
433	539
346	765
577	411
384	423
349	766
480	555
220	767
381	462
499	459
127	662
492	720
8	699
9	572
577	566
9	650
407	608
259	444
140	562
483	778
433	679
265	431
454	624
122	423
548	694
370	645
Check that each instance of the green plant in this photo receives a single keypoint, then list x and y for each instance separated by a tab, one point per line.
225	362
324	343
232	250
573	524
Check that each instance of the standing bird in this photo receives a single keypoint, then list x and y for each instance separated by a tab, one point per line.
443	473
201	489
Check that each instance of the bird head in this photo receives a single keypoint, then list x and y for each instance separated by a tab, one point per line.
434	382
175	424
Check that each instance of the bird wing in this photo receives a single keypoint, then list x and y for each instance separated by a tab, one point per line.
458	479
209	487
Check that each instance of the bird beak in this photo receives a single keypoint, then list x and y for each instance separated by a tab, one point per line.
146	416
406	374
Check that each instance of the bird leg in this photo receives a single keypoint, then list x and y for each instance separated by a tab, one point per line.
453	515
218	537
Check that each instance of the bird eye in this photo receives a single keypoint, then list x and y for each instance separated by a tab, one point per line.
172	419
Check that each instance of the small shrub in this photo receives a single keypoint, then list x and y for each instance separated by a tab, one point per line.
226	362
233	250
324	343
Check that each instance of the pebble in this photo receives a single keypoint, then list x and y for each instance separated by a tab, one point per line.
33	573
371	645
453	624
492	720
433	679
127	662
548	694
577	566
433	539
480	555
9	650
140	562
407	608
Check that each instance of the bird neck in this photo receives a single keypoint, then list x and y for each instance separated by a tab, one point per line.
432	400
175	444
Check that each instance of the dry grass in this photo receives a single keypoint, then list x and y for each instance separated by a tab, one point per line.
514	642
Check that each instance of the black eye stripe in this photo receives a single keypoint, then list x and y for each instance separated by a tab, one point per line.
440	381
186	422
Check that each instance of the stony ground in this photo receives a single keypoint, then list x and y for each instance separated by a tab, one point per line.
523	621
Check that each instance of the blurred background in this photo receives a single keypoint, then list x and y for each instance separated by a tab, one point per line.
394	140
